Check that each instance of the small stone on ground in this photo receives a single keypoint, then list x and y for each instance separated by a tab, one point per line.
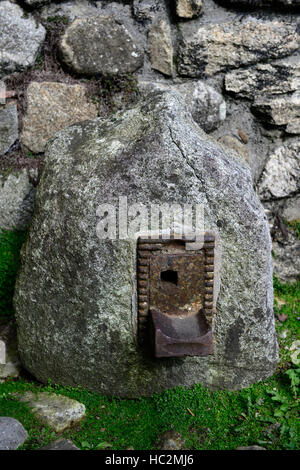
60	444
12	434
56	411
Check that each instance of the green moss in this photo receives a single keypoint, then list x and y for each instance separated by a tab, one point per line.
58	19
205	419
31	155
10	244
104	90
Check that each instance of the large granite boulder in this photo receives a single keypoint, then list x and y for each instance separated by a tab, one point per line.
75	297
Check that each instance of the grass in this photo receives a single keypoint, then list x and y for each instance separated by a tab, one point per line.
264	414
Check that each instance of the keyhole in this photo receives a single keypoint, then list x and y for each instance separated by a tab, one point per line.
169	276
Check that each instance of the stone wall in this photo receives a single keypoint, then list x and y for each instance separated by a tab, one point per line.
235	63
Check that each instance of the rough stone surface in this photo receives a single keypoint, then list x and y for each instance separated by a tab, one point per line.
8	127
207	106
99	44
160	46
232	143
291	210
170	440
56	411
60	444
286	260
20	38
283	110
240	118
74	298
265	79
16	200
286	243
50	107
12	434
72	9
213	48
281	176
147	10
261	3
188	8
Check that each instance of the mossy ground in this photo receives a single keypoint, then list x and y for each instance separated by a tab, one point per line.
264	414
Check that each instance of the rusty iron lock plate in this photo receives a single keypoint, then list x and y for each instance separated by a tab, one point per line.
175	296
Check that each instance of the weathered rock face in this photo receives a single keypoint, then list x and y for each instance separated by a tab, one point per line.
160	45
50	107
283	111
207	106
148	10
8	127
74	297
188	8
236	145
20	39
72	9
280	177
240	118
265	79
209	49
274	90
278	188
16	200
99	44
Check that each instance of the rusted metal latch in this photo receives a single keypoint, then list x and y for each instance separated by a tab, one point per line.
175	296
